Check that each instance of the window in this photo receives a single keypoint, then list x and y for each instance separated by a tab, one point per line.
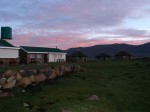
38	55
60	60
54	55
59	56
32	55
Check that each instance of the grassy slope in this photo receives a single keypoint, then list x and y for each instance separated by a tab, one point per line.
123	86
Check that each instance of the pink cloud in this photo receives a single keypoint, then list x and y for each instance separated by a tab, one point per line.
65	40
62	41
69	23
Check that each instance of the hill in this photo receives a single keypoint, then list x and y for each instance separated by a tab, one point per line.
135	50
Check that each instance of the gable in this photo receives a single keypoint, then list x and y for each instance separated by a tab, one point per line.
4	43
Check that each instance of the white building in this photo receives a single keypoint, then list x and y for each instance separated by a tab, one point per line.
8	53
30	54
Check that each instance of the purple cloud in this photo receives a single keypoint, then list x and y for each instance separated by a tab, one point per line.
70	23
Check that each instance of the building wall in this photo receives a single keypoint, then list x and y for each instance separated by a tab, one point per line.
76	59
42	57
22	54
9	53
57	57
81	59
123	57
35	57
104	58
52	57
9	56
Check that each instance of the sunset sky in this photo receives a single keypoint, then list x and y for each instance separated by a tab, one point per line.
76	23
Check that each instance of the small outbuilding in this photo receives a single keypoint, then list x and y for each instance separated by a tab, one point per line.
123	55
77	56
8	53
30	54
103	56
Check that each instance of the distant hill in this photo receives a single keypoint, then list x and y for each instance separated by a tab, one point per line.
111	49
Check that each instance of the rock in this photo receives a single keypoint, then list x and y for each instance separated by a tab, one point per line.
40	78
10	79
23	91
93	98
52	75
18	77
4	94
47	72
1	91
21	71
28	105
25	81
2	80
1	86
34	71
67	68
27	73
43	70
57	72
9	73
9	85
32	78
76	68
25	104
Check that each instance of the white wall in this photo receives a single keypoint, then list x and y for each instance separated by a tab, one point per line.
54	57
9	53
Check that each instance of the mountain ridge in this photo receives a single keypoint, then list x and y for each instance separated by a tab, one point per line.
142	50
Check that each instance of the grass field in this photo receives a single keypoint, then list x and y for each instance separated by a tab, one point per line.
122	86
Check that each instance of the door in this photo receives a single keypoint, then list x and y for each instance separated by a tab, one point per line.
45	58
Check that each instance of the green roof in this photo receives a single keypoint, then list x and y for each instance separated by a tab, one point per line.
4	43
40	49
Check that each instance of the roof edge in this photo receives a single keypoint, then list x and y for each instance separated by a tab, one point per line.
9	47
22	47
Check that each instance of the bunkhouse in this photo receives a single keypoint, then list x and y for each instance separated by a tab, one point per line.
77	56
103	56
123	55
8	53
29	54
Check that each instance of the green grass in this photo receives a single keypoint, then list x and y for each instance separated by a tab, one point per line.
122	86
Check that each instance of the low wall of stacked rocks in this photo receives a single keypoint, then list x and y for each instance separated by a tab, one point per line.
24	78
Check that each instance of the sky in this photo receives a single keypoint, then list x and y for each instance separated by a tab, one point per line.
76	23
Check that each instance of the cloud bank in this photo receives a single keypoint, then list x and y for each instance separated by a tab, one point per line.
75	23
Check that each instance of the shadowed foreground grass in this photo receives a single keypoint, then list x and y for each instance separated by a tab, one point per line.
122	86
